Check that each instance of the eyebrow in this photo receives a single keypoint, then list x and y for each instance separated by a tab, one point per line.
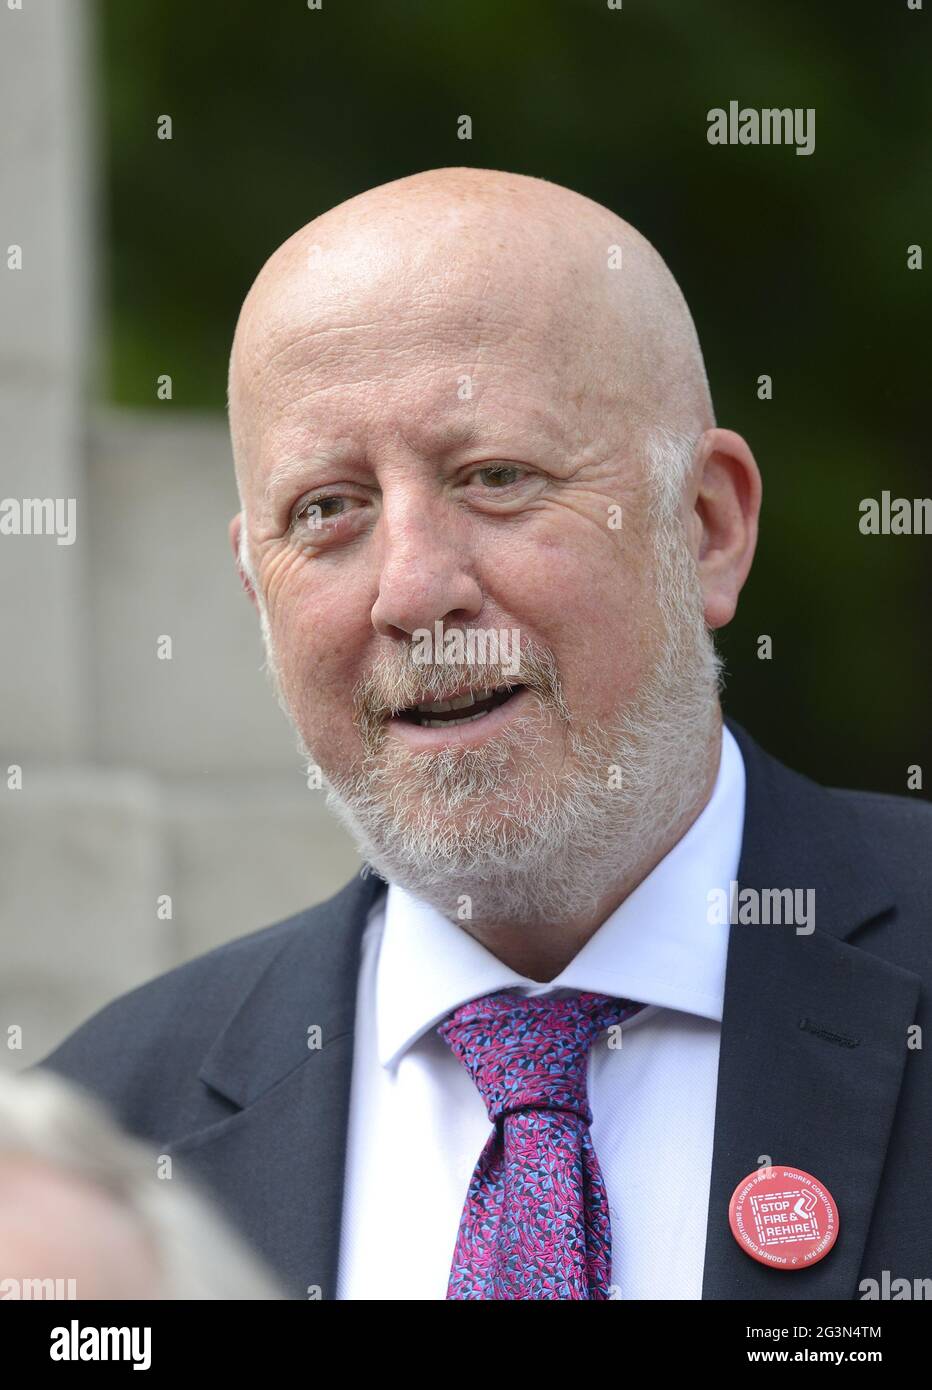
293	470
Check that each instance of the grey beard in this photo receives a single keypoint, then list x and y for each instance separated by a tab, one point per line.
554	845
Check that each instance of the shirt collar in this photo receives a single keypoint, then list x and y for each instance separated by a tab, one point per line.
657	947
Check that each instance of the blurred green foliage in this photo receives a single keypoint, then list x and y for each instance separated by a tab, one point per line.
793	266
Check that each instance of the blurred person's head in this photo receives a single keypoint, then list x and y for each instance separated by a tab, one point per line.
85	1214
477	400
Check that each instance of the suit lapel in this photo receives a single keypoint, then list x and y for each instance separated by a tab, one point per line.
277	1162
813	1032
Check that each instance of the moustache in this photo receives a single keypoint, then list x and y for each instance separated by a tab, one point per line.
397	681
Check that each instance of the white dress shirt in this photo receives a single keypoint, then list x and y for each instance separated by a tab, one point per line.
418	1124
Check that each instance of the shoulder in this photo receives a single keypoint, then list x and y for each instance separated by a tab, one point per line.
141	1053
214	982
895	814
148	1039
868	854
901	824
897	828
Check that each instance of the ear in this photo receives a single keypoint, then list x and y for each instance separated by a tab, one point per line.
236	529
722	524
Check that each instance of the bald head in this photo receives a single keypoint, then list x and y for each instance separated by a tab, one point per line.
488	267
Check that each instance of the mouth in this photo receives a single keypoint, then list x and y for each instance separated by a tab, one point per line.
466	708
464	720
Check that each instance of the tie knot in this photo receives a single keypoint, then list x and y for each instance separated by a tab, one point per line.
532	1051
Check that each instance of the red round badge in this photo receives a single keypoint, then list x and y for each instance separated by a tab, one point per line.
783	1217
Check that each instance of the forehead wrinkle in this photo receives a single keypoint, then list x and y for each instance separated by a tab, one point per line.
484	335
497	369
316	331
406	335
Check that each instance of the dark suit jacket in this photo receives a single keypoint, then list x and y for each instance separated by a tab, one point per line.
211	1061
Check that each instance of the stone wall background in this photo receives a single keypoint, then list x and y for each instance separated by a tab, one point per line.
140	777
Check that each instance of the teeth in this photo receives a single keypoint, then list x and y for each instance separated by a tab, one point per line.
452	723
460	702
429	707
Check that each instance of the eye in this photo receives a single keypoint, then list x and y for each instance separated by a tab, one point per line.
498	475
314	511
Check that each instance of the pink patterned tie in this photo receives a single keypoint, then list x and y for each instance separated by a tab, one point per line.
536	1222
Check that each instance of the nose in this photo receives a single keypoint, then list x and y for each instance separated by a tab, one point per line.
425	577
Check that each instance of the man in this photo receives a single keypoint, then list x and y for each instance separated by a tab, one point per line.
471	423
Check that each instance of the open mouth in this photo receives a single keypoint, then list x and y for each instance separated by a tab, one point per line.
459	709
